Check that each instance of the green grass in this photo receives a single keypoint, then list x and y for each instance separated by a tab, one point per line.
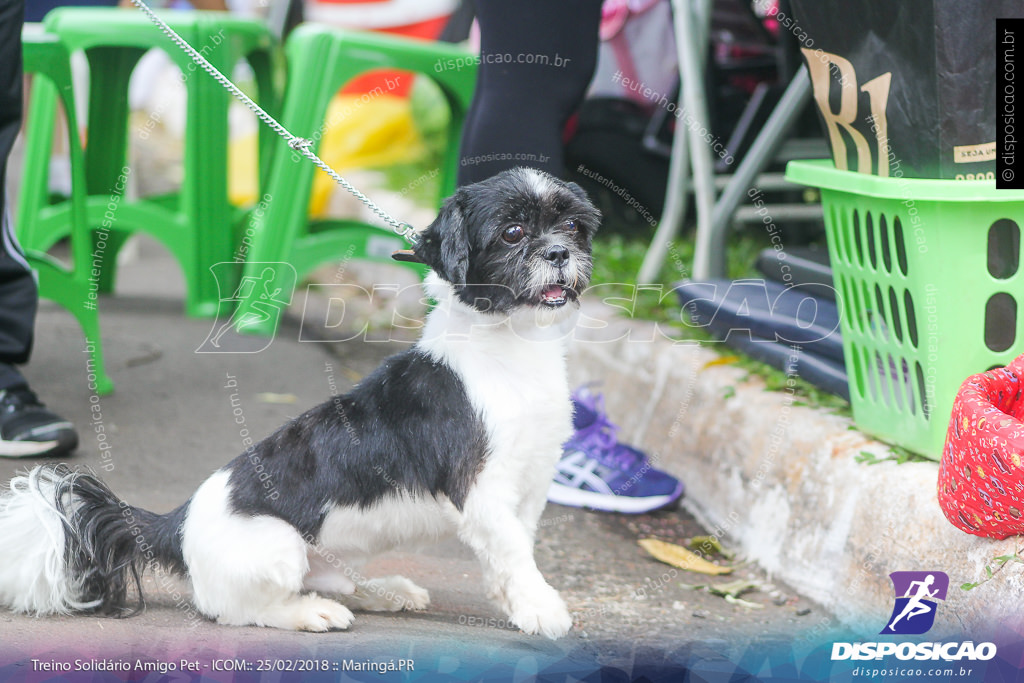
805	393
617	261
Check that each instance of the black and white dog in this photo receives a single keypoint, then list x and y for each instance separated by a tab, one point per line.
459	433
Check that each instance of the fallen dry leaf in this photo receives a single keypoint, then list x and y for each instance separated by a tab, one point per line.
678	556
724	360
734	588
710	543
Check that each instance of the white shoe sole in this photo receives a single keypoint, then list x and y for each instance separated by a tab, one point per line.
564	495
25	449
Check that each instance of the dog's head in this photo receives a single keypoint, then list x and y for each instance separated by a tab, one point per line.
518	239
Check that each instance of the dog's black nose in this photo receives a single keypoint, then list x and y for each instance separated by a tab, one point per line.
557	255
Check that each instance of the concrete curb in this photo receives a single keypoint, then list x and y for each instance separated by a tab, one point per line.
780	482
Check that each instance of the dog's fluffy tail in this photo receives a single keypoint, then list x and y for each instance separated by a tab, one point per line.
68	544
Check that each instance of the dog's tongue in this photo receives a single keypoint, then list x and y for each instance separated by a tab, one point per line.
553	292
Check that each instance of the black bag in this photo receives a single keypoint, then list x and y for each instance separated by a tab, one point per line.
608	155
905	88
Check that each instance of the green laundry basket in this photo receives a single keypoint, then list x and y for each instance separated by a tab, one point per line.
930	282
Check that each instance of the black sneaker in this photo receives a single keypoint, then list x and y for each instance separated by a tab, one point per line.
29	430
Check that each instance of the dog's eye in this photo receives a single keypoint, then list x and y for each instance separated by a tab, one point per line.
513	234
571	225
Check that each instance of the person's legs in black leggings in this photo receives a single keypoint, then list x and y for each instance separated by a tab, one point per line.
537	59
18	294
27	428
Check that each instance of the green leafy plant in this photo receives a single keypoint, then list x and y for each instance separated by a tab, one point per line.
868	458
990	573
897	454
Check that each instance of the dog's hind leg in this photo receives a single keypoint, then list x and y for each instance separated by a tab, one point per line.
250	569
390	594
328	574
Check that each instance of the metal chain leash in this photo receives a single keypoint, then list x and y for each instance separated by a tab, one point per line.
301	145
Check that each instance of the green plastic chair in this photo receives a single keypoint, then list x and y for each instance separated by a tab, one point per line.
322	59
48	61
197	225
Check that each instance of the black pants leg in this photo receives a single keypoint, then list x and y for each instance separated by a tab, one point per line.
537	59
18	292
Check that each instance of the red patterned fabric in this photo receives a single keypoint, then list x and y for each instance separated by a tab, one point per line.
981	477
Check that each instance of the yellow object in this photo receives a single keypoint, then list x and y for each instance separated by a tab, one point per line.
678	556
364	131
243	170
724	360
360	131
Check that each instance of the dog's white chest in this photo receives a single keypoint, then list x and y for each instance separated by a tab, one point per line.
518	385
522	395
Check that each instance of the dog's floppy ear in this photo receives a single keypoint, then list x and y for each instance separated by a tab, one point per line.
444	245
593	214
578	191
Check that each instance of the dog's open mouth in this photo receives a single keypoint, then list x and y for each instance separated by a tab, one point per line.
554	295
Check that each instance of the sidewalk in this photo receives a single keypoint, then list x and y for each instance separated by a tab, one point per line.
177	415
781	481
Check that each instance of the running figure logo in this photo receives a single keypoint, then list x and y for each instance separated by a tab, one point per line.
917	595
267	299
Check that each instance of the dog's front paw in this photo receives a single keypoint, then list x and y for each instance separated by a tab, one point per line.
496	592
541	611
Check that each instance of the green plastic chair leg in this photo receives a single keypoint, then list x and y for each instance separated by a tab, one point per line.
106	149
49	62
61	286
106	171
105	252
